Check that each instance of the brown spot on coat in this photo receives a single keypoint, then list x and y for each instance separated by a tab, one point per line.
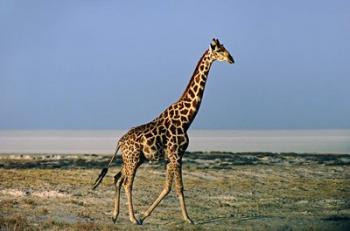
167	123
150	141
180	139
200	92
191	93
172	129
179	130
177	123
194	104
154	131
184	111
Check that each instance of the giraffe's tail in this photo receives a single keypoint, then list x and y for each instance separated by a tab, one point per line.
104	171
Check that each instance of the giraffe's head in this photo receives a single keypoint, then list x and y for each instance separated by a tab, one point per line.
219	52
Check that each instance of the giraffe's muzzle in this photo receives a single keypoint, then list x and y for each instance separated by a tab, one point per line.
230	59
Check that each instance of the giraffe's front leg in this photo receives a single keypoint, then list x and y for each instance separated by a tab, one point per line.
166	190
180	192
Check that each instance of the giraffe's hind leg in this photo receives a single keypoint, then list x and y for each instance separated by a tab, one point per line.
128	184
118	180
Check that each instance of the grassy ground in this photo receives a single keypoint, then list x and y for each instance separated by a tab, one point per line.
224	191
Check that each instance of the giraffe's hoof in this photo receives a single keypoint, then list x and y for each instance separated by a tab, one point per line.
140	221
189	221
114	219
137	222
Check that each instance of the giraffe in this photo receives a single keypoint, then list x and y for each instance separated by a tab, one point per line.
164	137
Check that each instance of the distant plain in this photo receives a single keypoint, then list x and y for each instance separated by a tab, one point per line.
336	141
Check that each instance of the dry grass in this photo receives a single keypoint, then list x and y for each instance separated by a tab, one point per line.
248	192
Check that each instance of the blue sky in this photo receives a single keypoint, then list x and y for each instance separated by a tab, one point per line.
108	65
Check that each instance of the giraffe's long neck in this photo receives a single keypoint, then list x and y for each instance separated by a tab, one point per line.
183	111
192	97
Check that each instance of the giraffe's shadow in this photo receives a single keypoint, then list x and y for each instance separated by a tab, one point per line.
229	216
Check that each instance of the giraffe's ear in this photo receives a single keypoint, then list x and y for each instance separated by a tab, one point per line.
213	44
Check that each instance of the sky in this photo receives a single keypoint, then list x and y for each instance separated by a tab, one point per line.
117	64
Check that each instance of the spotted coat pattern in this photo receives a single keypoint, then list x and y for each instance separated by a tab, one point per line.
166	137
